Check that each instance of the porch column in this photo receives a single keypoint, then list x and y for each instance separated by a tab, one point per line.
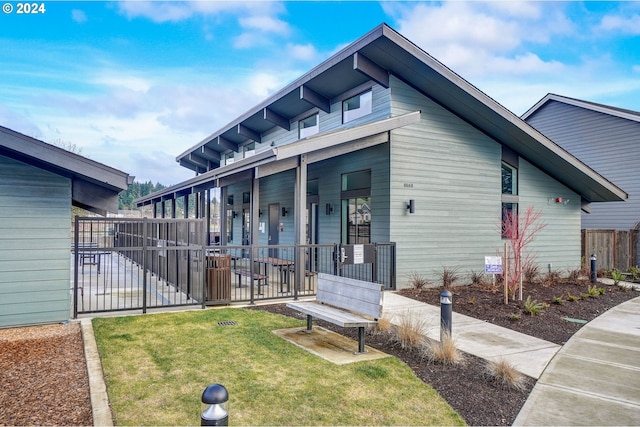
223	216
300	206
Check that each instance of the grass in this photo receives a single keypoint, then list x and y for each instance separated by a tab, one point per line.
156	367
445	352
505	374
409	331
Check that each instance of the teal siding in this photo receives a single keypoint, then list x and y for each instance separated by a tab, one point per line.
35	234
452	171
558	243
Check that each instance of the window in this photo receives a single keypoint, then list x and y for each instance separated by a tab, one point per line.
228	158
309	126
509	179
509	220
356	207
249	150
356	107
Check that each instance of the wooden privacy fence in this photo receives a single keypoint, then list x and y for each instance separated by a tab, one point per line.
613	248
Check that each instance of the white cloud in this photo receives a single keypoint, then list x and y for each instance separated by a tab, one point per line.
622	24
165	11
476	38
264	23
306	52
78	16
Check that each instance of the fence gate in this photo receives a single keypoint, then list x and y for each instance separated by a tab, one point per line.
137	264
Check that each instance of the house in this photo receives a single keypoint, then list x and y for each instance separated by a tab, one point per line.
605	138
38	185
383	143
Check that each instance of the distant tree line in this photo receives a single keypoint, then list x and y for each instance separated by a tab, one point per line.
136	190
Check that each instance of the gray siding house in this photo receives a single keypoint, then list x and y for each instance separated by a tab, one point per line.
383	143
605	138
38	185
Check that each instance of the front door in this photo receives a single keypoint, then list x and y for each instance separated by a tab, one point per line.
274	228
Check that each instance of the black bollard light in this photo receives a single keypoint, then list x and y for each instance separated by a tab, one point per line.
215	411
446	308
594	277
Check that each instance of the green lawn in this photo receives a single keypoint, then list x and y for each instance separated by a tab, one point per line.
156	367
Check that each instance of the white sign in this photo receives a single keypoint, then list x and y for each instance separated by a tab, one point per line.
358	254
493	264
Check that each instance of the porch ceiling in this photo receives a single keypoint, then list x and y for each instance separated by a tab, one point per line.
381	52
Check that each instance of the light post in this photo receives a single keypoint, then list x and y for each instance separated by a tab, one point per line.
446	308
594	276
215	411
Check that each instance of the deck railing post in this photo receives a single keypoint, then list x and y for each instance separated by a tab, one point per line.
144	265
76	258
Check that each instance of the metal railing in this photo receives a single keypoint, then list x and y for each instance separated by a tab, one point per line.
140	264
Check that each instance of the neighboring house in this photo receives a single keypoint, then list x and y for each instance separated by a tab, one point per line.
383	133
605	138
38	185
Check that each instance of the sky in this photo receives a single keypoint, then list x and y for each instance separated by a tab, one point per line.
133	84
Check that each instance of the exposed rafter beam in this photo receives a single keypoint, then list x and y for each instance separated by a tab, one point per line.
248	133
209	154
370	69
277	119
226	144
315	99
189	165
198	161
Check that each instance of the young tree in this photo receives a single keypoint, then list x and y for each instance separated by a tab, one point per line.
520	230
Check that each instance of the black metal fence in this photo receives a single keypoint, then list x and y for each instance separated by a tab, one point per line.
140	264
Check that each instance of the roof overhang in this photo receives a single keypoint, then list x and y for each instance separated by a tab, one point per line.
600	108
94	186
279	159
383	52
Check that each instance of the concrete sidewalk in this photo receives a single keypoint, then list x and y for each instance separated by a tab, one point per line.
595	378
528	354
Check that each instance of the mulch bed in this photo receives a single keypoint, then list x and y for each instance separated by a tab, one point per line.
43	375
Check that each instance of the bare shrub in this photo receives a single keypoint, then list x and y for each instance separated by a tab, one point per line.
384	326
477	278
449	276
409	331
418	281
532	273
445	352
504	374
551	278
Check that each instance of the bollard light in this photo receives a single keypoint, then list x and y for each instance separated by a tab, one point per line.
215	411
446	308
594	277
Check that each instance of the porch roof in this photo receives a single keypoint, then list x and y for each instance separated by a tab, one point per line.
94	186
374	57
278	159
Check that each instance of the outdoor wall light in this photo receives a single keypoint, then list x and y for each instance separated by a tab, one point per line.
259	212
233	214
411	207
284	211
215	399
329	208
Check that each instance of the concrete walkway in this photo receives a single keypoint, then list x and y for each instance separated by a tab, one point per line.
528	354
595	378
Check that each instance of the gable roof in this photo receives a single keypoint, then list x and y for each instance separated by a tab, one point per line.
95	186
375	56
600	108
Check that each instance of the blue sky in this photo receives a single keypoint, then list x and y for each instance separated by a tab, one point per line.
136	83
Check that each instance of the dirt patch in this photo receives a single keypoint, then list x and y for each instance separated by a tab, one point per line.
43	376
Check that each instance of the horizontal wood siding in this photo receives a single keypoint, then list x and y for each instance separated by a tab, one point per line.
35	234
608	144
452	171
558	243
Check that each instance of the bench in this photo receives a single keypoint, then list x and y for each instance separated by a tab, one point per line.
247	273
345	302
